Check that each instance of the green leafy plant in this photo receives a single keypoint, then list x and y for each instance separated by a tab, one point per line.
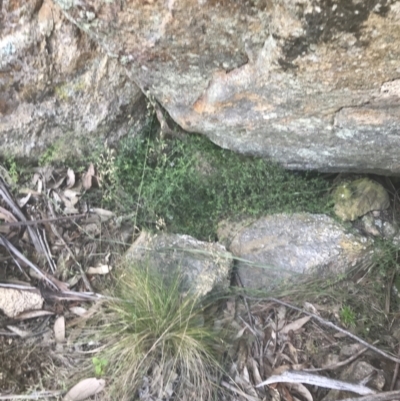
99	365
155	333
48	155
10	170
347	316
192	184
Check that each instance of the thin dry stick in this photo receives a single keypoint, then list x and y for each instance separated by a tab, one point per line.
330	324
395	373
6	243
46	248
50	220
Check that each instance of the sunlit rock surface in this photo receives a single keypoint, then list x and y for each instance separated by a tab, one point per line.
313	85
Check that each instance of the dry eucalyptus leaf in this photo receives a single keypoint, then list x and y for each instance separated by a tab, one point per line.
85	389
309	307
70	178
56	184
18	331
71	210
256	372
36	178
100	269
70	197
56	197
39	186
87	177
78	310
59	329
292	353
103	213
34	274
73	281
23	201
33	314
301	390
240	333
296	325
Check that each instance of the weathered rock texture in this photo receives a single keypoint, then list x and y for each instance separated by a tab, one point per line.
279	246
57	86
312	84
204	266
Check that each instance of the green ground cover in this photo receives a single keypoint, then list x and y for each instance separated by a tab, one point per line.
189	185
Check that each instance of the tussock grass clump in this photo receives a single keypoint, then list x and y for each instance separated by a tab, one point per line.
158	344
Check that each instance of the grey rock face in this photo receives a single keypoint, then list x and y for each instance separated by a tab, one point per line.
57	86
204	266
313	85
280	245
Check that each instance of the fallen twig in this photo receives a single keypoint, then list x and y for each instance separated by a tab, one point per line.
395	373
7	244
49	220
330	324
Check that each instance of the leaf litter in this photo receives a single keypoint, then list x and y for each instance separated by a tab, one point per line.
50	233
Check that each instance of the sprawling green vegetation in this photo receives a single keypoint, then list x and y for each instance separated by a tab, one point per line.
189	185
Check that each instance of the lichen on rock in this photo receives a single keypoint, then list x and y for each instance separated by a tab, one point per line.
356	198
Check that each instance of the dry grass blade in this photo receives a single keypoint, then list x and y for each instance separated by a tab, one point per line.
152	330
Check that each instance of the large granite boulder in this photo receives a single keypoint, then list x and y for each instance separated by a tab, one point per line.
57	85
311	84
